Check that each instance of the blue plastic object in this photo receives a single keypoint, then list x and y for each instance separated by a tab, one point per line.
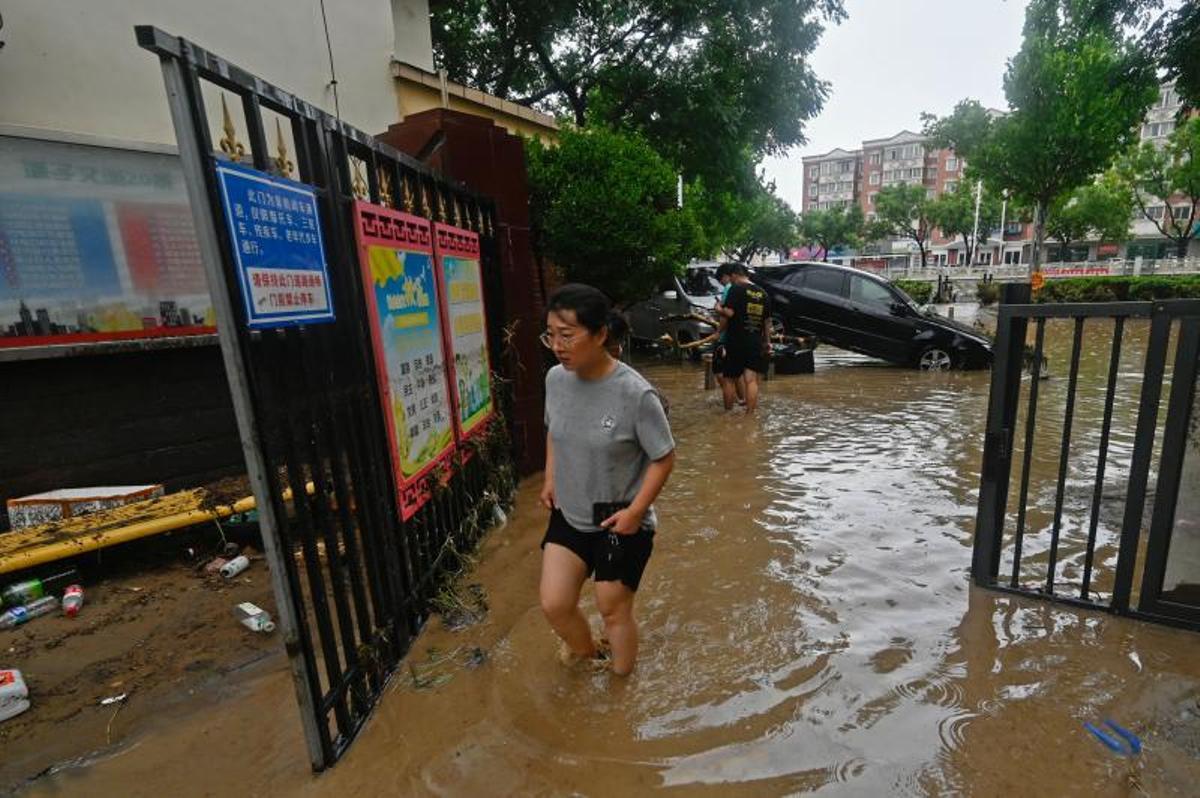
1125	743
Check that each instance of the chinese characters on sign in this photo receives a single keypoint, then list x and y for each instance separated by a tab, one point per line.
458	258
396	259
96	244
276	233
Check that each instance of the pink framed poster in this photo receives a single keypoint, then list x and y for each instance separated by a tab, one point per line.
457	254
405	309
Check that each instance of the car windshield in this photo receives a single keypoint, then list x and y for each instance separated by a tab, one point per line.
701	282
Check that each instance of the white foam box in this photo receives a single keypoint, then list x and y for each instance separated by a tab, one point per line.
59	505
14	695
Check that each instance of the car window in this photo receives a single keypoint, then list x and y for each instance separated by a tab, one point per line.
826	281
700	282
795	279
870	292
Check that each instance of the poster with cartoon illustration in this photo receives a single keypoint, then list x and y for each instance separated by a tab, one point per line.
401	284
457	253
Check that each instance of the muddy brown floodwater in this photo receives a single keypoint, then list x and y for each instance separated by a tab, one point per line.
808	626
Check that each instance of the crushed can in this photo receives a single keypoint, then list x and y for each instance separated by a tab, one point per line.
14	695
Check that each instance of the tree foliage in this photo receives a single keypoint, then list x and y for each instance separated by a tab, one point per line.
954	214
833	228
1175	39
903	211
715	84
604	211
1077	91
1100	209
1159	175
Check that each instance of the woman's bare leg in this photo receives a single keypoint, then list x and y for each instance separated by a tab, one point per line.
615	602
563	575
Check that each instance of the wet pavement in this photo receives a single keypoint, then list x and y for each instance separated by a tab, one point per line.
808	625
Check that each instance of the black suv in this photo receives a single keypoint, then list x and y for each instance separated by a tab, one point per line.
856	310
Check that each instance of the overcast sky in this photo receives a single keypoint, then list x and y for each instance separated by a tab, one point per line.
891	60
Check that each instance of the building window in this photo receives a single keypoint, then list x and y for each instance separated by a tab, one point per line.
983	258
875	158
871	197
951	164
1013	257
812	189
1012	229
1168	98
892	154
847	166
813	171
1155	212
874	179
1181	212
950	185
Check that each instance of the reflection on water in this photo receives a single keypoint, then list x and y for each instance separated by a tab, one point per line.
808	625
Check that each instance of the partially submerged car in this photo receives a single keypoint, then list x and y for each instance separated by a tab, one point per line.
668	310
862	312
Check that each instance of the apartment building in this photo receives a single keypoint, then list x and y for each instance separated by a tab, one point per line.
855	177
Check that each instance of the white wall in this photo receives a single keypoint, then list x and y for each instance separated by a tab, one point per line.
73	65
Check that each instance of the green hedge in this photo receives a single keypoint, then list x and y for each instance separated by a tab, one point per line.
987	293
1118	289
919	290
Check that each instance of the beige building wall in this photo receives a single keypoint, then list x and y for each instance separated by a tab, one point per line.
420	90
72	66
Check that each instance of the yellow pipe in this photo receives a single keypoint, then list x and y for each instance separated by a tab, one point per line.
58	550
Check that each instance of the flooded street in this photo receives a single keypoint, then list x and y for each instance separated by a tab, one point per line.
808	625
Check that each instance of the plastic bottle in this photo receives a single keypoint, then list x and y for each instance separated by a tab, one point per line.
235	566
72	600
19	615
22	593
253	617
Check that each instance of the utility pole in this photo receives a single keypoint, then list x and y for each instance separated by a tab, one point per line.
1003	213
975	228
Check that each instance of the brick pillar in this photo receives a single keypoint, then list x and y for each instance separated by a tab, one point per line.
490	161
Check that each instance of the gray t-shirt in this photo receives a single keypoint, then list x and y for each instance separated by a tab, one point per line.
605	433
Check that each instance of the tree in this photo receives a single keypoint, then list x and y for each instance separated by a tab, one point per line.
1077	91
902	211
604	211
1175	39
954	214
1172	173
715	84
1100	209
833	228
768	223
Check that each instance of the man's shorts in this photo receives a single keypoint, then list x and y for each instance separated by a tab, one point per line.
612	557
741	356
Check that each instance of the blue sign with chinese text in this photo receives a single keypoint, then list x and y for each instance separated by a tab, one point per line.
276	234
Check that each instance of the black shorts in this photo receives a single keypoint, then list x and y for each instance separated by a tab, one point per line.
740	356
612	557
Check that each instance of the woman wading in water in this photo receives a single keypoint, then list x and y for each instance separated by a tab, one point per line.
609	452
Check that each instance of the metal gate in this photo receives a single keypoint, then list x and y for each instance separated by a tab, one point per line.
1002	531
352	581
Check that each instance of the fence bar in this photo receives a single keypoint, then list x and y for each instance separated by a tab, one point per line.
1139	470
1068	419
1035	381
1114	369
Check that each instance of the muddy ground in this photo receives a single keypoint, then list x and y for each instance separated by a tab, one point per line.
154	627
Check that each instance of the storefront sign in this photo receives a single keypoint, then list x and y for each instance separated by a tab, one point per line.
276	233
457	251
405	311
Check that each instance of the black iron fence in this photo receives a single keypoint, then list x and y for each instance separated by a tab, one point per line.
354	583
1016	426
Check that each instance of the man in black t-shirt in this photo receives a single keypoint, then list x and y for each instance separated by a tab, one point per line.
748	310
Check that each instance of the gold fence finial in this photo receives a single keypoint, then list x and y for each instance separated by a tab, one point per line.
229	143
406	195
358	184
282	164
385	189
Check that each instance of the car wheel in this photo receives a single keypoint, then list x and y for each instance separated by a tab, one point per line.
935	358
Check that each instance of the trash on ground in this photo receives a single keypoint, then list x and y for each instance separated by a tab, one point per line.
59	505
14	695
215	565
113	699
19	615
253	617
22	593
1123	743
498	515
231	549
72	601
235	566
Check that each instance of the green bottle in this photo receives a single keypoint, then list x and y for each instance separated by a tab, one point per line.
23	593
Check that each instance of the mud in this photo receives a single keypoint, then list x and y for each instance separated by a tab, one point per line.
808	625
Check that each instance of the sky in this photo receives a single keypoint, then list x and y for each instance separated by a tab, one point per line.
892	59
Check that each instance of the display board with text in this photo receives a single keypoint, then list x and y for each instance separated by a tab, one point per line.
406	319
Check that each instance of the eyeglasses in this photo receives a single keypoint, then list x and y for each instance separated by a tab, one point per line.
548	338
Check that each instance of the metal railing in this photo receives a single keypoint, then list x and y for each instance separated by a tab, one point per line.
1051	271
1001	531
